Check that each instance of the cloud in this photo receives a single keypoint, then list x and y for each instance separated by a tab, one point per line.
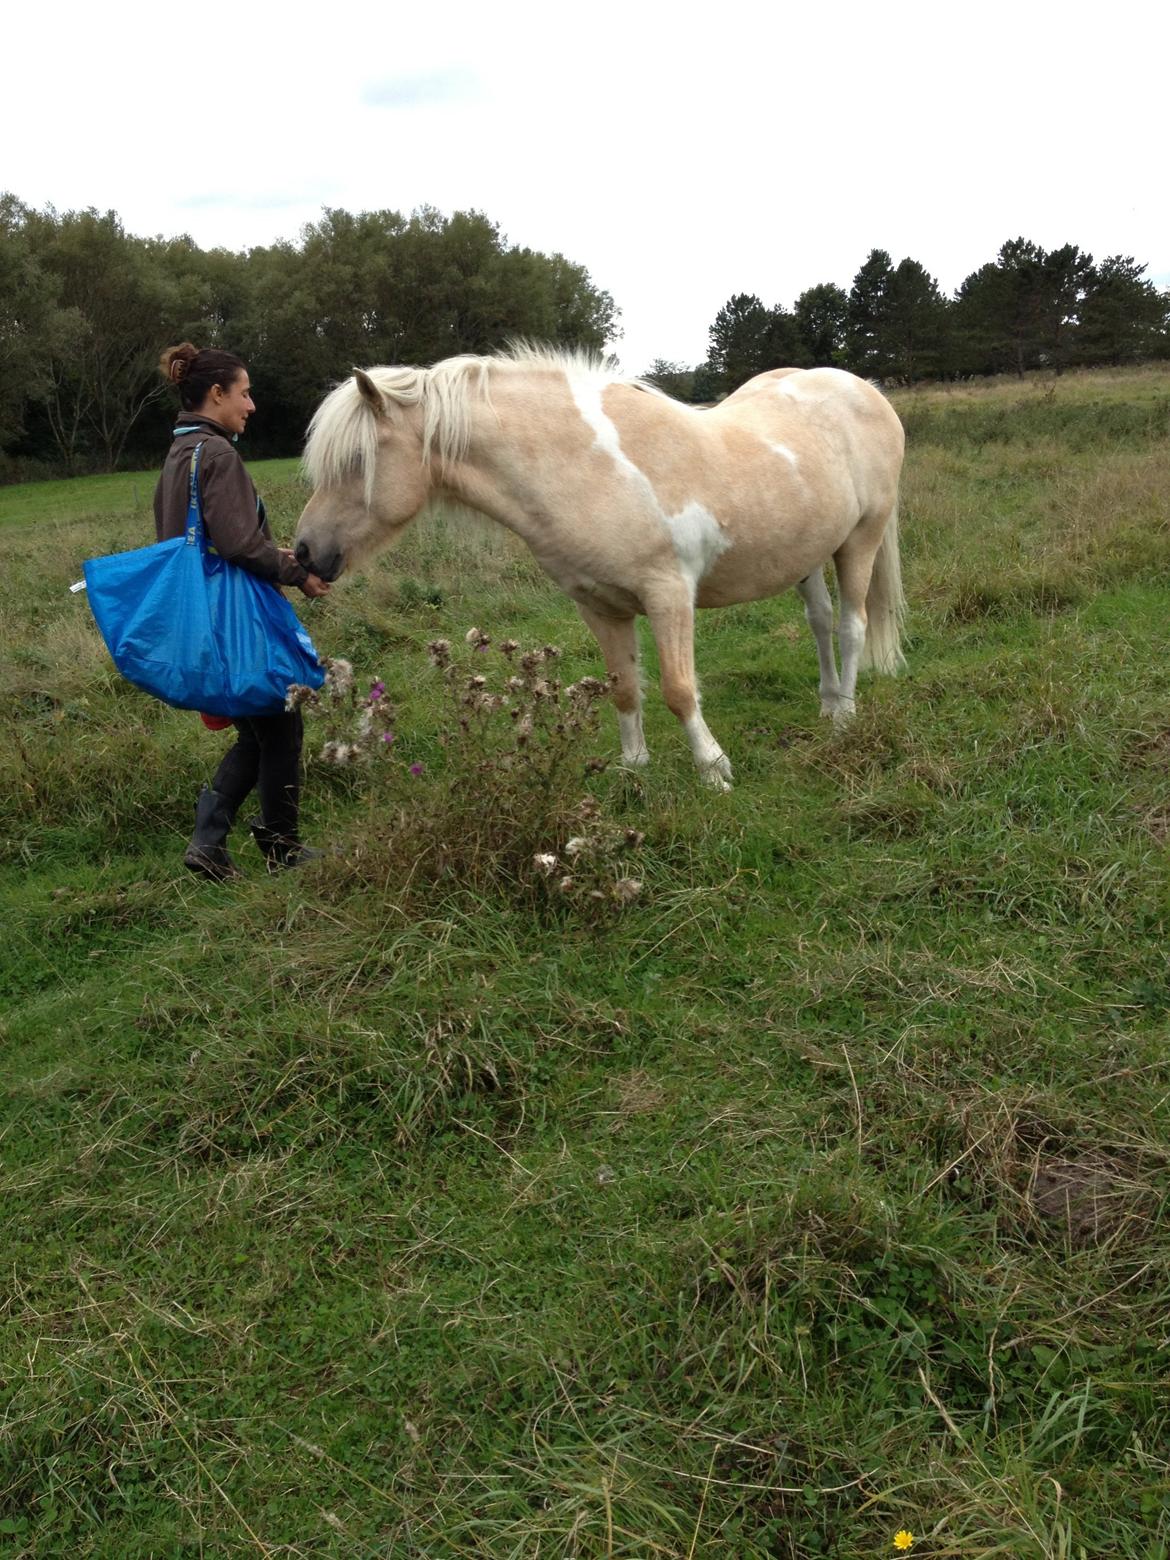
421	89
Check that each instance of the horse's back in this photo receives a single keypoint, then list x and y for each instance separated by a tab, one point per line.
805	408
803	389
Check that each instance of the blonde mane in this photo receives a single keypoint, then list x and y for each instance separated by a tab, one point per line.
343	435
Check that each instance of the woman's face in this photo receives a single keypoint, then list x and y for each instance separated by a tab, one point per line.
231	407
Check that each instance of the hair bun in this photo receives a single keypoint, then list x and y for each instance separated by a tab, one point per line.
175	362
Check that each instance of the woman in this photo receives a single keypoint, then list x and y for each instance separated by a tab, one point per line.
216	399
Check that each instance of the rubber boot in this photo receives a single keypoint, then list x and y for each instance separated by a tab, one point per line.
207	853
279	852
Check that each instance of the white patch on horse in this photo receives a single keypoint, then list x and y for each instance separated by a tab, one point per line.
782	449
697	536
586	390
698	540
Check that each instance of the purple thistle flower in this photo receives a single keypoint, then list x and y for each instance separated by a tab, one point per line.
377	690
388	736
417	769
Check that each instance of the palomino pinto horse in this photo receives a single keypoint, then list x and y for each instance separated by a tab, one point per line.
633	502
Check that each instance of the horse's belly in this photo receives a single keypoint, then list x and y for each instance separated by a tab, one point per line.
750	574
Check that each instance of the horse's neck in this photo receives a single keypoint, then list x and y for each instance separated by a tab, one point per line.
491	477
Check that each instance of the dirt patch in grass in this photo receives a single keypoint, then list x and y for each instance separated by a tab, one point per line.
1084	1199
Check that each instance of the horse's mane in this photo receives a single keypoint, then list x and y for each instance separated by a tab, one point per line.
343	433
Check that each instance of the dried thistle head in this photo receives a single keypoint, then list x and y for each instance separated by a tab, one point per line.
338	675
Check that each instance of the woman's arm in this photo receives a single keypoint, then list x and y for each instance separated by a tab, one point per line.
233	525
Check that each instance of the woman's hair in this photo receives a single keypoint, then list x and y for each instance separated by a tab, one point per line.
194	372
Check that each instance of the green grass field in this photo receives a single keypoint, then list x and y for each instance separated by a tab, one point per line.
402	1208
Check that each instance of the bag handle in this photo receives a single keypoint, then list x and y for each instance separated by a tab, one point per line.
194	507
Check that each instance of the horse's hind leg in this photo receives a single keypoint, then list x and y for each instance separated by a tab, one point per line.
672	617
853	561
818	609
618	640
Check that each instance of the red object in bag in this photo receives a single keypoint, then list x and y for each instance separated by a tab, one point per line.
216	722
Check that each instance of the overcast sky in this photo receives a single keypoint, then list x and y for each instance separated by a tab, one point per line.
681	155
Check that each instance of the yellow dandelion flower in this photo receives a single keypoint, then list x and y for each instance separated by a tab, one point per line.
903	1539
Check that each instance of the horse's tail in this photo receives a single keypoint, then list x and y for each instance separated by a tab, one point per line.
885	605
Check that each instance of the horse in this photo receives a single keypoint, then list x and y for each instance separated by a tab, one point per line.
634	503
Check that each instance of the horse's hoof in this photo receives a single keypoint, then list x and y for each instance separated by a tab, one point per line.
717	774
844	712
638	760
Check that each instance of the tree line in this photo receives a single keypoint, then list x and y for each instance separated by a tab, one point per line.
86	308
1028	308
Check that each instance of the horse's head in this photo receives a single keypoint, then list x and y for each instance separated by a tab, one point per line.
365	458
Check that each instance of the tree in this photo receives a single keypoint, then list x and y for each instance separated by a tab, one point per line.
746	339
1064	276
914	322
377	287
821	316
982	307
739	341
782	344
34	329
674	379
867	349
127	300
1123	315
1023	310
705	388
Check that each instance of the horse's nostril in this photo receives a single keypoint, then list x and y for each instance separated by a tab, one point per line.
302	552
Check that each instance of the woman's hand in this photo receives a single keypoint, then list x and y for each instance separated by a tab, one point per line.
315	586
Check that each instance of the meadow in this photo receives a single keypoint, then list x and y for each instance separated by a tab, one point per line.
814	1196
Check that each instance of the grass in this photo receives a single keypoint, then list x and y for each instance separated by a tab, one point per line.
817	1194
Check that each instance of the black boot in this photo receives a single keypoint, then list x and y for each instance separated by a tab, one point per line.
278	850
207	853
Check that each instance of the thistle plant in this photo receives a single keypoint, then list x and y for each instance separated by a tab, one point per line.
507	805
520	718
356	725
525	735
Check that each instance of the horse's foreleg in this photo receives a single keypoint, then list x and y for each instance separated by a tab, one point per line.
618	640
818	609
853	561
672	617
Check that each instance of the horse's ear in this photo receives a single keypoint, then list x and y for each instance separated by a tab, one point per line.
369	392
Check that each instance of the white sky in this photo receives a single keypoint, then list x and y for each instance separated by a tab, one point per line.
680	153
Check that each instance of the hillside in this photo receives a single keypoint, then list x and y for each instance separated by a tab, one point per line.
406	1208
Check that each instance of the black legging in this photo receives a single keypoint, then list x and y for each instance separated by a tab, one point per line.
267	756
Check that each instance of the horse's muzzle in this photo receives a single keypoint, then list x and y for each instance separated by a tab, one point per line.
327	567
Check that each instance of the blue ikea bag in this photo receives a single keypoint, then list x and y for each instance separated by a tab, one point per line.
196	631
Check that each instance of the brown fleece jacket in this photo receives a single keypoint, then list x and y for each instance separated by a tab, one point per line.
233	513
